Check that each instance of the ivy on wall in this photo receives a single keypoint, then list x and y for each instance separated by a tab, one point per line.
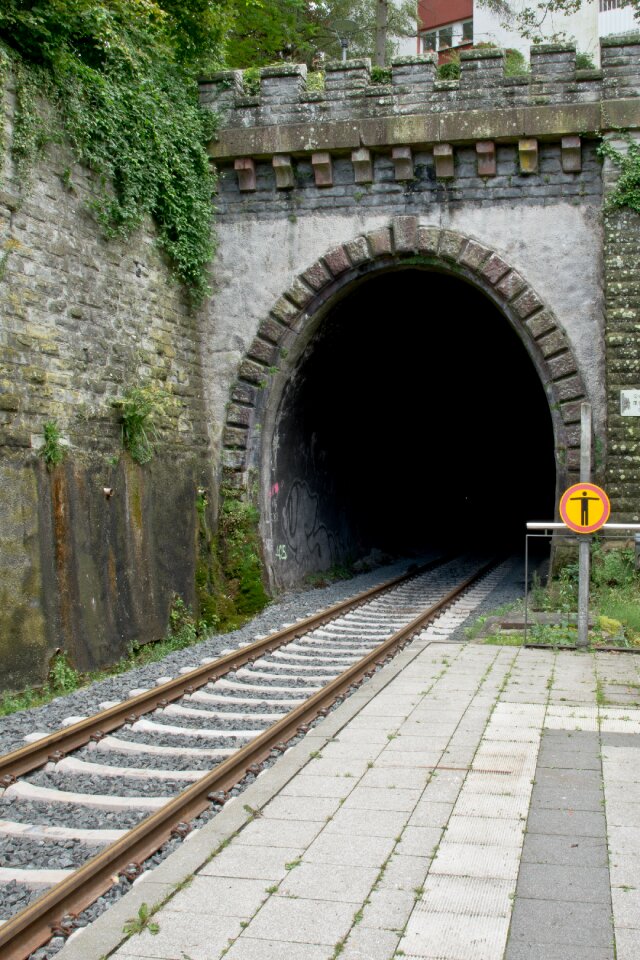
124	94
626	192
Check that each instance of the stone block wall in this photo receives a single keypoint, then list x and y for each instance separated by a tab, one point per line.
83	319
622	292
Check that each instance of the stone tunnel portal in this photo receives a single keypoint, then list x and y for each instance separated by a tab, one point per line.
414	417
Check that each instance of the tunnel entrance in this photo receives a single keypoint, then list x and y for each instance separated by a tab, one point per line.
415	417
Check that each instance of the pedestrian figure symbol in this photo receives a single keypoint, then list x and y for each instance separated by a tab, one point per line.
584	507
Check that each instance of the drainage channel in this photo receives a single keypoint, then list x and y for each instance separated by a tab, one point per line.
125	793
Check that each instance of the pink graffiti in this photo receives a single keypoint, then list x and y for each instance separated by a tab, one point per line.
274	489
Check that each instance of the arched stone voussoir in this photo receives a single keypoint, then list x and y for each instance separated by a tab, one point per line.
380	242
405	234
400	240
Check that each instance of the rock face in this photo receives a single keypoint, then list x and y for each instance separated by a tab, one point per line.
492	181
82	320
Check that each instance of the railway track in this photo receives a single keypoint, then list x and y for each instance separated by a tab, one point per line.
101	795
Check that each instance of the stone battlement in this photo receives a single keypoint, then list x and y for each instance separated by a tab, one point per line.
349	94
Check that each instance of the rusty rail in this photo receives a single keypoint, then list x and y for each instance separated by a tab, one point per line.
33	926
56	745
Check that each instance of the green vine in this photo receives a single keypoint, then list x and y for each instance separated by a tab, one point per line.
626	192
29	127
129	107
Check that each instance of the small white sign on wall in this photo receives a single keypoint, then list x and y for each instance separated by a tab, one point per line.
630	403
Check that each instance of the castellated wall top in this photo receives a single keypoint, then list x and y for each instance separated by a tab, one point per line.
415	107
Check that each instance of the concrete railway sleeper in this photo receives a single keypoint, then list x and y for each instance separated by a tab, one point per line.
125	794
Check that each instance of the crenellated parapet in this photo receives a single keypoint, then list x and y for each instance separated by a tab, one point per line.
351	112
353	118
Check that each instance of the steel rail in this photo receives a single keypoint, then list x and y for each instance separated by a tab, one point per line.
54	746
34	925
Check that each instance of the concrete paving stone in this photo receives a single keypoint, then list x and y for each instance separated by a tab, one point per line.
498	805
404	873
561	710
458	756
246	948
471	860
365	722
626	907
379	798
372	738
568	759
627	771
617	713
321	881
309	786
568	851
232	897
530	711
624	872
544	881
452	937
485	830
547	951
482	782
283	807
428	813
521	766
289	833
625	841
324	767
620	813
620	726
444	786
388	909
627	792
561	922
342	848
514	734
424	760
399	777
570	723
381	823
301	921
466	896
515	750
559	797
568	822
628	944
356	751
367	943
419	841
403	743
179	935
251	863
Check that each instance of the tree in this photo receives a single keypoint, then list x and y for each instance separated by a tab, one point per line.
267	31
533	21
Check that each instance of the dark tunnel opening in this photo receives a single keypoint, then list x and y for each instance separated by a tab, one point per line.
414	418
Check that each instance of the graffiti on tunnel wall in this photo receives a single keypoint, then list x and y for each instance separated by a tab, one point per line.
306	536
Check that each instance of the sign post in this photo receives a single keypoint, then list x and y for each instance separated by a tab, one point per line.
585	542
585	508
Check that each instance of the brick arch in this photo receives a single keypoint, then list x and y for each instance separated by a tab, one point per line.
272	355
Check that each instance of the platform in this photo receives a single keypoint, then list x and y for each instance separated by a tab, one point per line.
469	802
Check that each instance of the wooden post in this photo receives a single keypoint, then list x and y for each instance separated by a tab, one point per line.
585	539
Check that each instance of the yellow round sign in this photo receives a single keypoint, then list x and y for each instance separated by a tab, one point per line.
584	507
